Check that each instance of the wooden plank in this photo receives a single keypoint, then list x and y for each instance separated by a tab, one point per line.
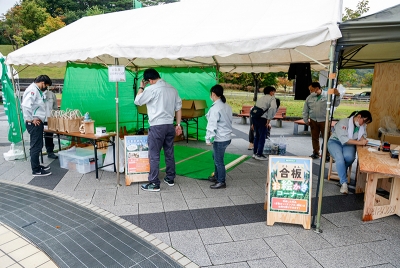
395	195
301	219
385	99
381	201
369	197
371	162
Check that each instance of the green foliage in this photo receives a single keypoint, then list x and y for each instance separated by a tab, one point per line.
348	77
147	3
236	99
247	80
367	80
50	25
26	23
94	10
362	7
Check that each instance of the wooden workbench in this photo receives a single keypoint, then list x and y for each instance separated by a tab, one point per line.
373	166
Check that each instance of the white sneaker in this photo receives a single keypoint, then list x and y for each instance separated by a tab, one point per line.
344	189
254	156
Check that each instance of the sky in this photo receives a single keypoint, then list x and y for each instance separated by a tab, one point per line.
374	5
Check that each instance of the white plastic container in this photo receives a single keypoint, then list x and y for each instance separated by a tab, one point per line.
80	160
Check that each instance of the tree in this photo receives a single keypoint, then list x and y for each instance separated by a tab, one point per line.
367	79
27	22
362	7
284	82
50	25
95	10
349	77
22	23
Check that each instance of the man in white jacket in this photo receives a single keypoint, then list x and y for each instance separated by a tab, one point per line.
34	109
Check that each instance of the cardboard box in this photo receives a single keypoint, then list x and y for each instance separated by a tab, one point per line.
142	109
193	108
392	139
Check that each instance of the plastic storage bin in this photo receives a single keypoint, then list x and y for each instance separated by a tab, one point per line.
80	160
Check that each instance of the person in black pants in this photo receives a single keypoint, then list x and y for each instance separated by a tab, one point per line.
34	109
251	133
51	104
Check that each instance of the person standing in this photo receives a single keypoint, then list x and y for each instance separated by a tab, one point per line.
261	124
218	134
314	115
34	110
251	133
163	104
51	104
348	133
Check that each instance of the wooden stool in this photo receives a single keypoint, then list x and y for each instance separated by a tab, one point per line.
334	175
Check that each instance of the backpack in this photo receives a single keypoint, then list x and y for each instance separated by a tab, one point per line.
257	112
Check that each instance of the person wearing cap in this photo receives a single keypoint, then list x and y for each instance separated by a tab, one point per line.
314	115
34	110
163	104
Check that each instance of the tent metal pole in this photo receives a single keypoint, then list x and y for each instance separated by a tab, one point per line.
327	127
305	55
117	126
18	111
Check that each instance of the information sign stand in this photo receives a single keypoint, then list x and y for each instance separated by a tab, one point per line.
288	190
137	165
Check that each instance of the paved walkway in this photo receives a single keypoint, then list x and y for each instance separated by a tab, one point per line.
213	228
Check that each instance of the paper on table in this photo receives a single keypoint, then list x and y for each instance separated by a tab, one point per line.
372	142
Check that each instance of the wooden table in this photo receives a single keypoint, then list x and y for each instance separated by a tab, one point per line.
92	139
184	119
371	167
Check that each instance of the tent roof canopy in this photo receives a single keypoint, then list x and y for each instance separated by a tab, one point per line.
237	36
370	39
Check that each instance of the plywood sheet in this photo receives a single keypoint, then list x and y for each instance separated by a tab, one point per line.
377	162
385	92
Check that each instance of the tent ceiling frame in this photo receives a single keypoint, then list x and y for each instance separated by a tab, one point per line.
316	61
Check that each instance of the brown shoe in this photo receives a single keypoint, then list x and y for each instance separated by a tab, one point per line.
251	146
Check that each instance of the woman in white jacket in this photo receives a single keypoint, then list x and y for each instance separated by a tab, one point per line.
219	130
348	133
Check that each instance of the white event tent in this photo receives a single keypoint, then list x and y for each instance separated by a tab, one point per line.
236	36
232	35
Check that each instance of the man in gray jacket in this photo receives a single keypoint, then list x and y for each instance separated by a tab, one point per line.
268	104
314	114
34	109
163	104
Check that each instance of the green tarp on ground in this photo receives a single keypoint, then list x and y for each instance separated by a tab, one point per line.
86	88
195	163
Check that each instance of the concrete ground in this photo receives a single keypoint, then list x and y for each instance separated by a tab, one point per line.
227	228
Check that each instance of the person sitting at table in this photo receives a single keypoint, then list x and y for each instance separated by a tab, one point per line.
348	133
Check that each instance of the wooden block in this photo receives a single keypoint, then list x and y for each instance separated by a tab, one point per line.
136	178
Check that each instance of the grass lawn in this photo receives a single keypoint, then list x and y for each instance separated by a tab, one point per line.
294	107
33	71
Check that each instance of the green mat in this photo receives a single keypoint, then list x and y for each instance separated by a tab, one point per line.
196	163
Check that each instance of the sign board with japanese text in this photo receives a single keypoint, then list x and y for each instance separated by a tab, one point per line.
288	190
116	73
137	165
